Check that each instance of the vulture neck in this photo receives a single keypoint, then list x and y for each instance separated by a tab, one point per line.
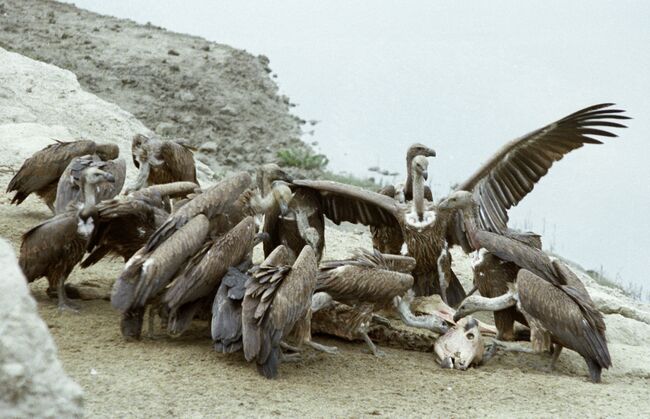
143	175
418	194
408	187
476	303
90	197
263	203
470	219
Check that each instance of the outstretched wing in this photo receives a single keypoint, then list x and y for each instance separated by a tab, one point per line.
341	202
46	166
504	180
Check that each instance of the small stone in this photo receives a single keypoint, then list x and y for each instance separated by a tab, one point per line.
173	52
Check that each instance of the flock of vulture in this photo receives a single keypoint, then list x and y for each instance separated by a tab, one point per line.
188	251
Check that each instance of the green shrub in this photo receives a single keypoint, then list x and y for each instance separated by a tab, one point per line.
302	159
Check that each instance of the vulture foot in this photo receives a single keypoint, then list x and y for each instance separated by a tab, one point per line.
372	347
381	320
64	303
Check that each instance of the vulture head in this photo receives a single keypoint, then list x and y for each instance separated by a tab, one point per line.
95	175
418	149
282	195
458	200
269	173
420	167
107	151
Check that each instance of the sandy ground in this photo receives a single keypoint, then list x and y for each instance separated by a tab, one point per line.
184	377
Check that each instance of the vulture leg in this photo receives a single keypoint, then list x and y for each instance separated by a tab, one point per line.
287	347
322	348
371	345
64	303
557	349
430	322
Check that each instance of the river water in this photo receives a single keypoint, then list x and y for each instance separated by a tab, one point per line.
464	78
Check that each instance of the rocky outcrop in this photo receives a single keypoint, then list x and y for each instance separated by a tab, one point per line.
32	379
40	102
178	85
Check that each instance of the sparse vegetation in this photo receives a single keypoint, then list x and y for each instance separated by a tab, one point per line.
302	159
366	183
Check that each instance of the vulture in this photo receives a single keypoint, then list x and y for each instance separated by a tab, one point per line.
161	162
199	280
53	248
172	246
69	188
388	238
553	300
366	282
423	226
366	278
498	185
122	226
297	224
41	172
277	305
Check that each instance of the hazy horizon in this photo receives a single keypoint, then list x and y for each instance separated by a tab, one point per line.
463	78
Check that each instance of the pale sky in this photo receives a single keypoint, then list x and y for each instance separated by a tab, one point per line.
463	78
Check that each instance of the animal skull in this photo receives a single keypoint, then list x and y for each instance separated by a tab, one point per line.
461	347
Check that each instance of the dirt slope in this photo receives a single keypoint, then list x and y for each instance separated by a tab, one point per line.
177	85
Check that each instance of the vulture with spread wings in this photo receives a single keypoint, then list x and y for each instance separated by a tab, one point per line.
41	172
497	186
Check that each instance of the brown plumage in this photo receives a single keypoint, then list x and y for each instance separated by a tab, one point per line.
512	172
41	172
215	200
201	276
491	277
122	226
551	297
148	272
346	322
388	238
366	278
69	190
423	226
54	247
161	162
277	299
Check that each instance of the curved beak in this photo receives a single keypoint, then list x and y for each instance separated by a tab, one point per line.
458	316
431	152
109	177
425	175
260	237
